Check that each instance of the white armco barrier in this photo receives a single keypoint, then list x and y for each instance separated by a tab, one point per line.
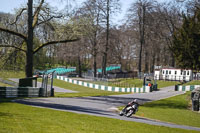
144	89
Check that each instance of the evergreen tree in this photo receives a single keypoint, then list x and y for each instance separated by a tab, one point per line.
186	43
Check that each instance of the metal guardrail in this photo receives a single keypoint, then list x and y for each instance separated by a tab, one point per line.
28	88
11	92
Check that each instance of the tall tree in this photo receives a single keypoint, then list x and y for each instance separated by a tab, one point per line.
138	15
169	18
105	52
33	21
111	6
98	13
29	41
92	11
186	42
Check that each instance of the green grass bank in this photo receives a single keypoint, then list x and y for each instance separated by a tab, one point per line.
175	110
18	118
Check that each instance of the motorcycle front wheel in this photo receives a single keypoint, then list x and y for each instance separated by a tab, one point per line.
121	113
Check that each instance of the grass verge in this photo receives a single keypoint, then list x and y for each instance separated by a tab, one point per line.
4	85
193	82
85	91
18	118
121	82
162	83
11	74
129	82
174	109
81	90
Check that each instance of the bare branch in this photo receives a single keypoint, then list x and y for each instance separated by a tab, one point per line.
12	46
17	17
53	42
49	19
14	33
36	14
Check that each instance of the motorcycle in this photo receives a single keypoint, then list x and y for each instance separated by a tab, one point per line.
130	109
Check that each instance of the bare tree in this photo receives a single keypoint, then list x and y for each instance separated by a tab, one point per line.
111	6
92	11
138	13
34	20
169	16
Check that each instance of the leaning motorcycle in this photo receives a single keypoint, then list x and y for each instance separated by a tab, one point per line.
130	109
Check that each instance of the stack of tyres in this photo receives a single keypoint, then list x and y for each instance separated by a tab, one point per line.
195	97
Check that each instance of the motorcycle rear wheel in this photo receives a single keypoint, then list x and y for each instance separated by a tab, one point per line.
129	113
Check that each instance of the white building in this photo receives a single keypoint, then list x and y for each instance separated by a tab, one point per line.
173	74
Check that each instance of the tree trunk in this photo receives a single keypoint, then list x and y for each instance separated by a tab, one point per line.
140	58
107	39
95	66
104	65
153	63
172	60
79	67
95	54
95	44
141	15
146	62
29	53
158	58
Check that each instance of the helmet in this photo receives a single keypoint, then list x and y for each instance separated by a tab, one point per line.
135	100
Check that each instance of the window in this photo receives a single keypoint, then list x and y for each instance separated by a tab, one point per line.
175	72
166	71
169	72
184	73
188	72
163	71
181	72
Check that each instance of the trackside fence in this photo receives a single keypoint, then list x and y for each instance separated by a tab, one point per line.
186	88
12	92
144	89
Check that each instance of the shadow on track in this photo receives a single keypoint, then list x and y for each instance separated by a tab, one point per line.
67	107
